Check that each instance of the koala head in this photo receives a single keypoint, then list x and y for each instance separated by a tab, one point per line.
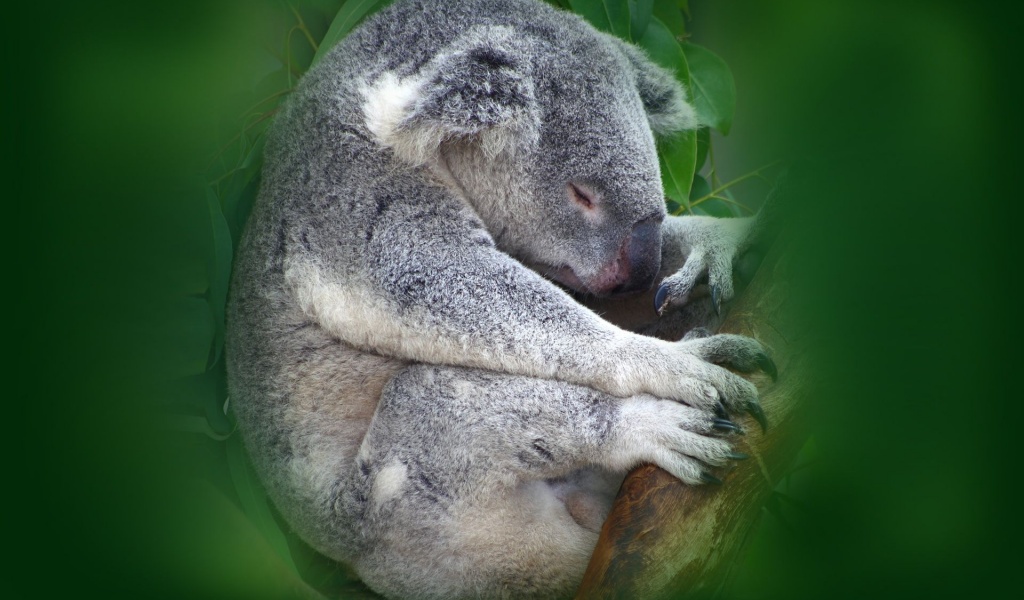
550	137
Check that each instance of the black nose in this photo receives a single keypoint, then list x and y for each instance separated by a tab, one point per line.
643	255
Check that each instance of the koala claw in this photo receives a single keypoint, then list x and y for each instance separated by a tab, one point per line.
757	412
726	425
709	478
720	411
660	298
738	456
768	366
716	298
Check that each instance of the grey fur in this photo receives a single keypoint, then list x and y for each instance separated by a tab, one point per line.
418	402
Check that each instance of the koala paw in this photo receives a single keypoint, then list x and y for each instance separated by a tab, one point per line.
710	386
714	244
680	439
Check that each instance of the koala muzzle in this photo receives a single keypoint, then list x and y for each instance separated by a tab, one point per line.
637	263
642	251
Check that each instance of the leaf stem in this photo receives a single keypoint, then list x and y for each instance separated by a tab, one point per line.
234	139
721	188
302	27
723	199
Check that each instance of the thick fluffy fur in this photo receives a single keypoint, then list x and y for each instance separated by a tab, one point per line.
418	402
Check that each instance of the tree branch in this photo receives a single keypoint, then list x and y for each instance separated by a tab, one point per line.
663	537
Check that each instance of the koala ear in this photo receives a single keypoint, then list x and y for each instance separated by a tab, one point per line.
664	98
479	90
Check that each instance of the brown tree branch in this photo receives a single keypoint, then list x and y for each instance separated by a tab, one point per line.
663	537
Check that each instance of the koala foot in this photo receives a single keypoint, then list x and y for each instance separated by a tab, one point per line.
739	352
681	439
711	387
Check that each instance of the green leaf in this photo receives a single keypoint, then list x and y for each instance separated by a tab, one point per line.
593	11
713	90
700	188
185	332
640	12
734	208
672	16
254	499
349	15
703	145
677	158
218	271
191	424
611	16
716	208
665	51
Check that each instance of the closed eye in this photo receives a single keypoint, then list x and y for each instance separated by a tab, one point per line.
581	197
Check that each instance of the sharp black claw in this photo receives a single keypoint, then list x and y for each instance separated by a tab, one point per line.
709	478
716	299
720	411
768	366
738	456
755	411
726	425
660	298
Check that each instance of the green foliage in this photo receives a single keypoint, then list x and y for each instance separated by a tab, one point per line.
712	89
350	15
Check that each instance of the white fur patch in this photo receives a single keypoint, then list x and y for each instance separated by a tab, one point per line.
386	103
389	102
389	483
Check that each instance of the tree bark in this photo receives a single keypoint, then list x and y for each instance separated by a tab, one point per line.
663	537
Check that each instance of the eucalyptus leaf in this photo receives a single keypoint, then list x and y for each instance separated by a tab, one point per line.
716	208
593	11
611	16
703	146
191	424
734	207
700	188
219	271
640	12
185	332
349	15
712	89
665	51
254	499
678	155
677	158
672	16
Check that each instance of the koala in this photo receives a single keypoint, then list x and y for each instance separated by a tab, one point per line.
415	372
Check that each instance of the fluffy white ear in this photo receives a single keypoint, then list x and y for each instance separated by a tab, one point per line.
478	90
663	96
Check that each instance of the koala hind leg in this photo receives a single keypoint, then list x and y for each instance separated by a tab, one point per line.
473	483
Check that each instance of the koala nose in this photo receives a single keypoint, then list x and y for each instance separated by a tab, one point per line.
642	253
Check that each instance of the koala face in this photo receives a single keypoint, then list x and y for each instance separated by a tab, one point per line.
552	142
595	195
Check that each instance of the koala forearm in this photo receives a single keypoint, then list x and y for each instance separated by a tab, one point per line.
484	311
682	234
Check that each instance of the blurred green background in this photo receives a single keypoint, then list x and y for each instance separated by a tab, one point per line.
116	114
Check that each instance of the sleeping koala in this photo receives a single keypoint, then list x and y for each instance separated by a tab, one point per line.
419	393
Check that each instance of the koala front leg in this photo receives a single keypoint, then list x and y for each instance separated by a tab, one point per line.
709	245
434	289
